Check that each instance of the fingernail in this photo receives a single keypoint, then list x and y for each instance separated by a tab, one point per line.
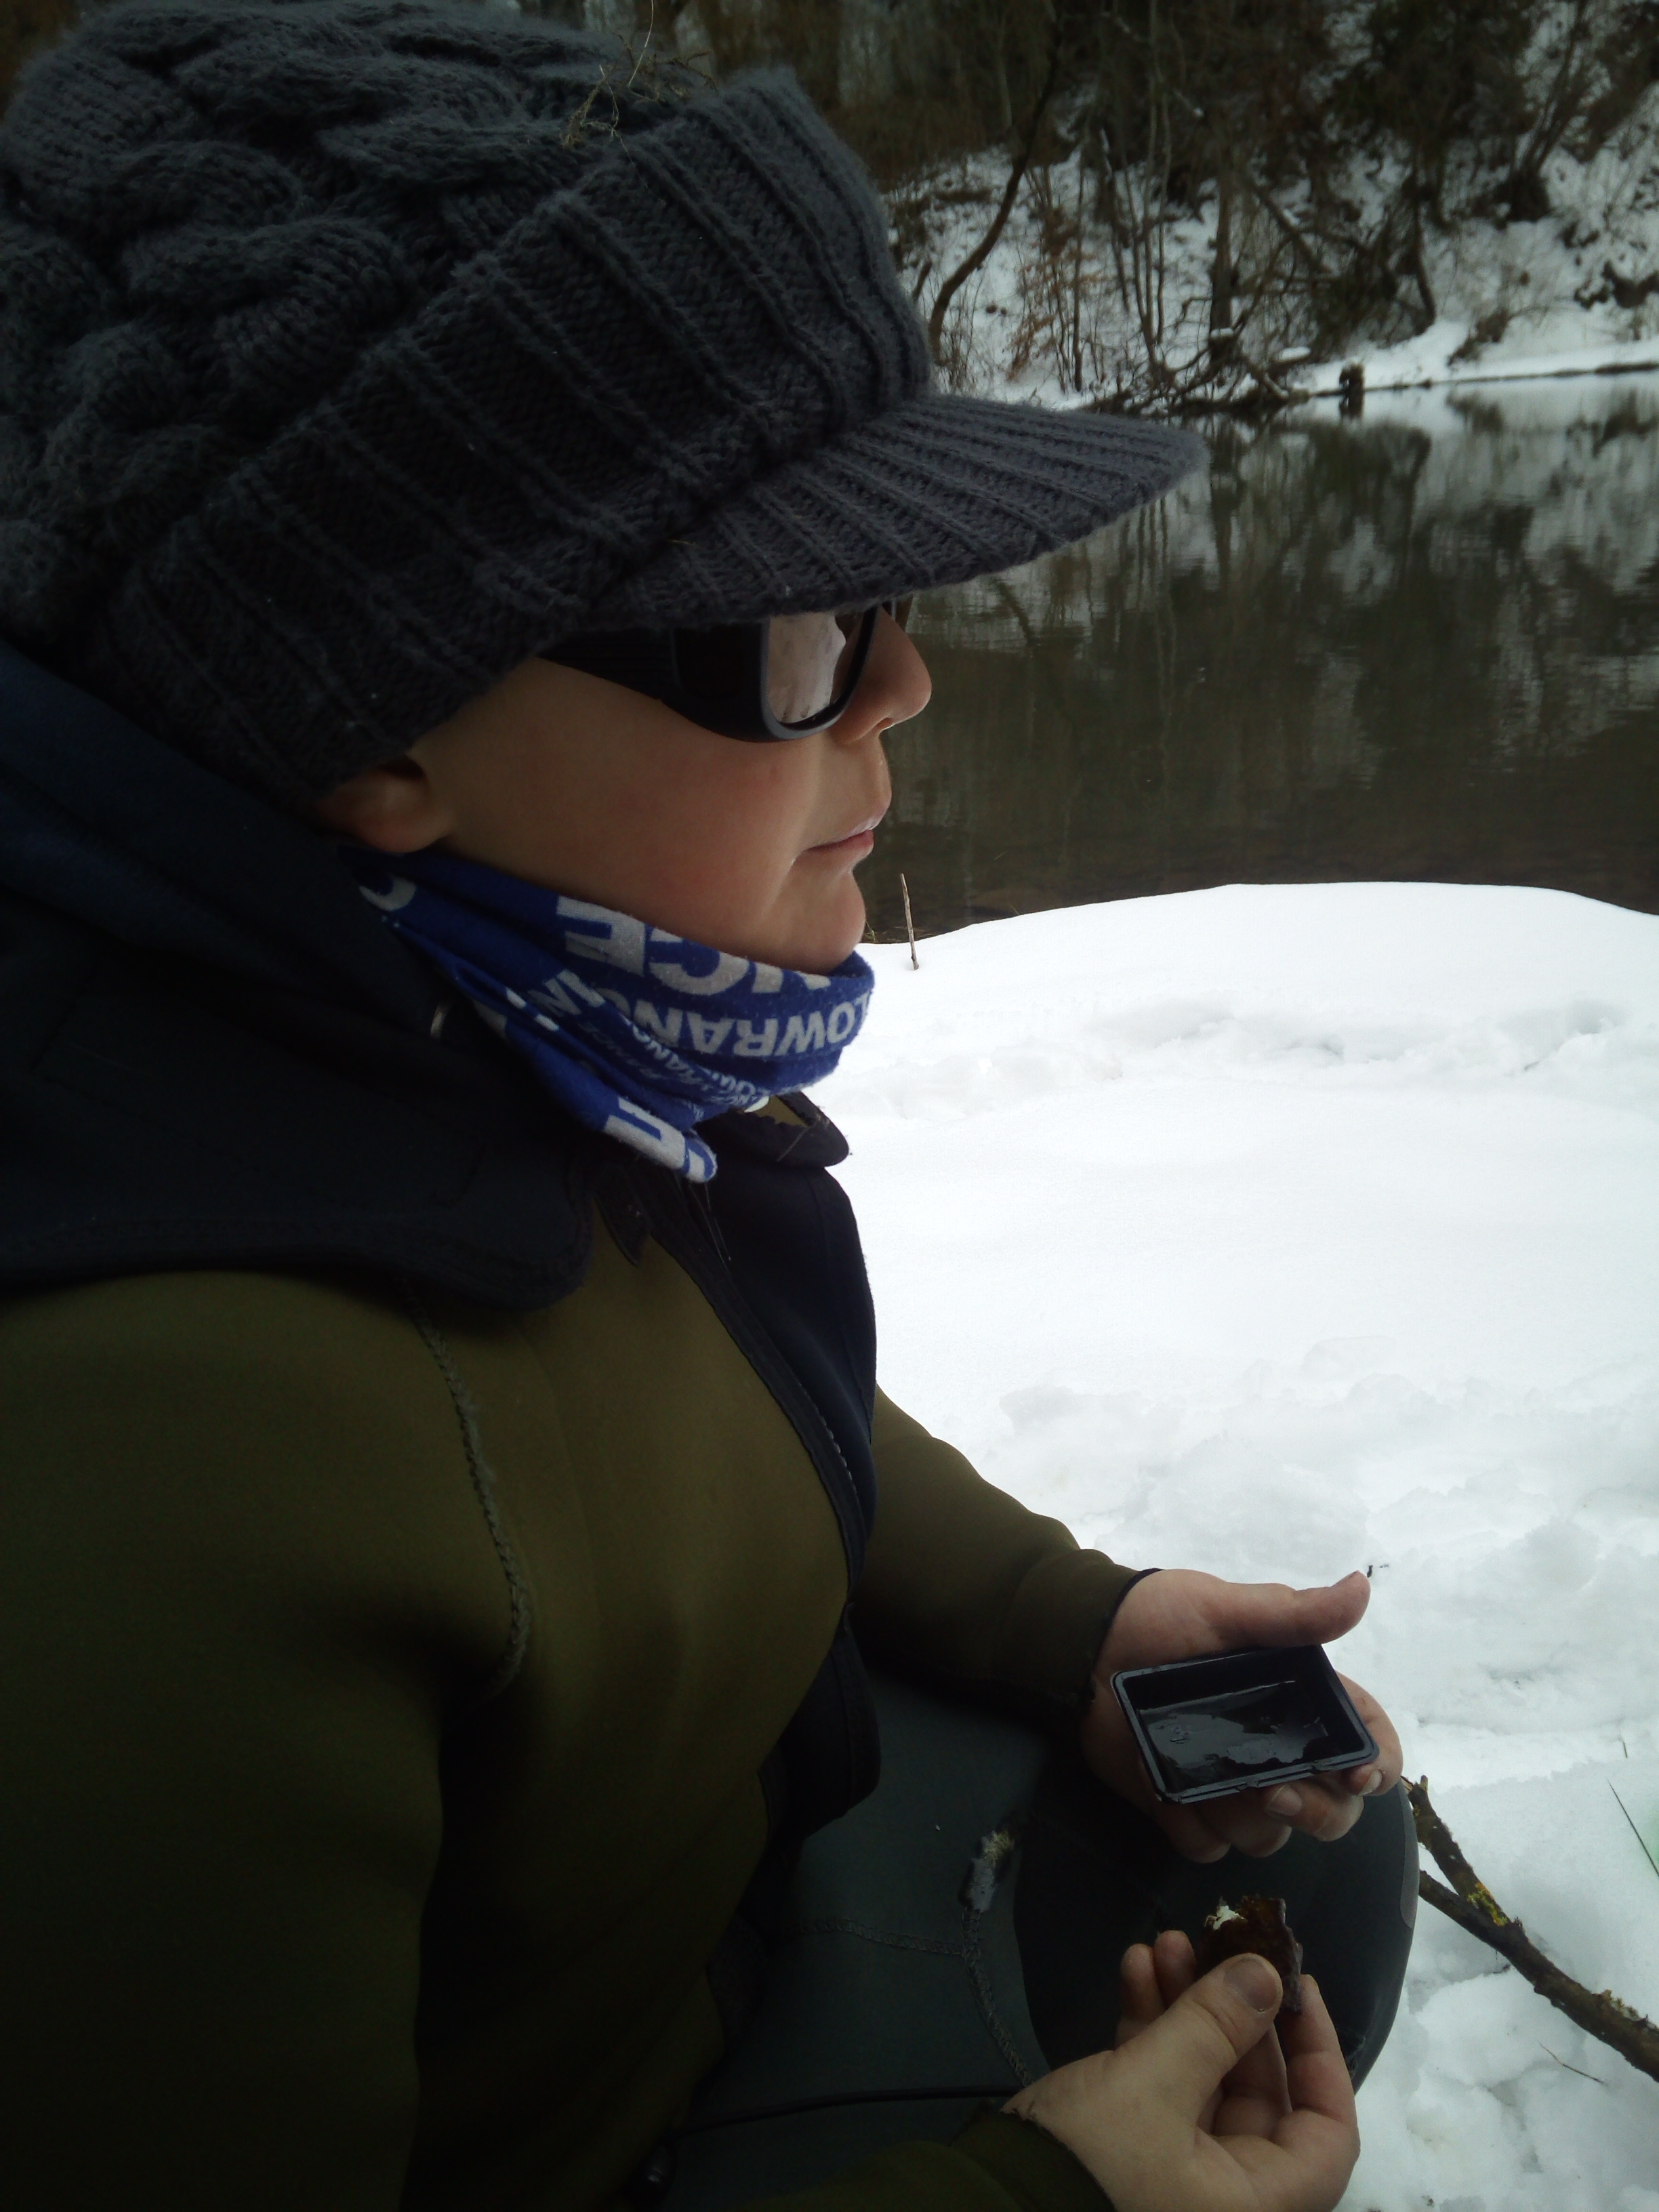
1253	1981
1372	1783
1285	1804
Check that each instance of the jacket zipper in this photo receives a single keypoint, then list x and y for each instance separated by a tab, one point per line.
681	1219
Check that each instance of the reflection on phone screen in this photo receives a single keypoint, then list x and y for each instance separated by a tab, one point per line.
1235	1736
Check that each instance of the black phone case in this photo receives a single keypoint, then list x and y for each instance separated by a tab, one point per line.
1245	1720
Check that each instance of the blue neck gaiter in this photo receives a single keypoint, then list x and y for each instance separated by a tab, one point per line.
636	1032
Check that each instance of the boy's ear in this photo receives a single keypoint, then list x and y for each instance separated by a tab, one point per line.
394	807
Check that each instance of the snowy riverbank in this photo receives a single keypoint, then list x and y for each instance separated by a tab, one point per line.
1574	293
1433	359
1278	1230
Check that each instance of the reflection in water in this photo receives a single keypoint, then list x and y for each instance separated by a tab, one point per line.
1424	644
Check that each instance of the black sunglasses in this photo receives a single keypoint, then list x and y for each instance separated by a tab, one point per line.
782	677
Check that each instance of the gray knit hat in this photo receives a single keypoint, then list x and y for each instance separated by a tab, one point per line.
352	351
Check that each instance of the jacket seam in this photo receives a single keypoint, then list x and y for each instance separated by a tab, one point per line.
974	1955
484	1488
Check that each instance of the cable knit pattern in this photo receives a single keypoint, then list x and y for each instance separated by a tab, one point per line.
346	360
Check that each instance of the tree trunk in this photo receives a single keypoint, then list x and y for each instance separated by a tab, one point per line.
982	253
1223	336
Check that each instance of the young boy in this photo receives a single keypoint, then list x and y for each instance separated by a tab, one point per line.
448	1506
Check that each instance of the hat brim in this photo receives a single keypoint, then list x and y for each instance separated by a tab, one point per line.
934	491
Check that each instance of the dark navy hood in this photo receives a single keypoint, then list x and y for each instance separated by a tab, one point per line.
213	1053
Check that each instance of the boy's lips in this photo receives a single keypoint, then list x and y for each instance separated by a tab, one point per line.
863	834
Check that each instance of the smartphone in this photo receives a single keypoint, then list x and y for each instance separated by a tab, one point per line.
1244	1720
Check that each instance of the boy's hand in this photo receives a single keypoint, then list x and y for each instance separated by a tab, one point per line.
1179	1614
1202	2107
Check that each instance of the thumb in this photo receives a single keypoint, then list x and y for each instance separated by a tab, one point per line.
1269	1612
1183	2058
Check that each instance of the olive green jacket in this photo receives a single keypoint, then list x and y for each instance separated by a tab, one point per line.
386	1686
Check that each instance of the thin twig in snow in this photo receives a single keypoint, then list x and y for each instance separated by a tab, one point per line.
1571	2068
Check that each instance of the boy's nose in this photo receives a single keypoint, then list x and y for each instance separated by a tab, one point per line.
896	686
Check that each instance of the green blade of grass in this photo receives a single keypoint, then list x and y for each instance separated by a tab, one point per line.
1634	1830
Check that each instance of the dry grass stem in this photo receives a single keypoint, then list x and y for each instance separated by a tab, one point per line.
910	926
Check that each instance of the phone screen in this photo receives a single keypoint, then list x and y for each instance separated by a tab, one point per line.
1241	1720
1239	1735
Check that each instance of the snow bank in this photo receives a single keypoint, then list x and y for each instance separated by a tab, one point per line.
1277	1231
1433	359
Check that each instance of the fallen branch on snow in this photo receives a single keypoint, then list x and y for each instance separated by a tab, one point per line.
1477	1911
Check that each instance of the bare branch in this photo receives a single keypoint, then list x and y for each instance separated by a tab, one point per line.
982	253
1477	1911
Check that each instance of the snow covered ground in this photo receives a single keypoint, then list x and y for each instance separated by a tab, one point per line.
1278	1230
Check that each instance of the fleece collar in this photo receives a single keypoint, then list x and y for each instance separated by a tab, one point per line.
639	1034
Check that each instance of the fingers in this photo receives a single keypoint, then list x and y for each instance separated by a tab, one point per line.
1316	2074
1256	2096
1151	1977
1183	2058
1333	1611
1202	1835
1306	2116
1181	1613
1323	1806
1389	1763
1110	1751
1258	1822
1252	2098
1175	1963
1192	1836
1263	1613
1320	1806
1242	1823
1141	2002
1138	2118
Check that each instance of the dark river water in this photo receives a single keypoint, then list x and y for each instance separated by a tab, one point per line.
1420	644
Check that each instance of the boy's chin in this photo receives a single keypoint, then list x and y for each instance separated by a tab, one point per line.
843	940
818	944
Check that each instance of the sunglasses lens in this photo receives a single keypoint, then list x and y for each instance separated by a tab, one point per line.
811	663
